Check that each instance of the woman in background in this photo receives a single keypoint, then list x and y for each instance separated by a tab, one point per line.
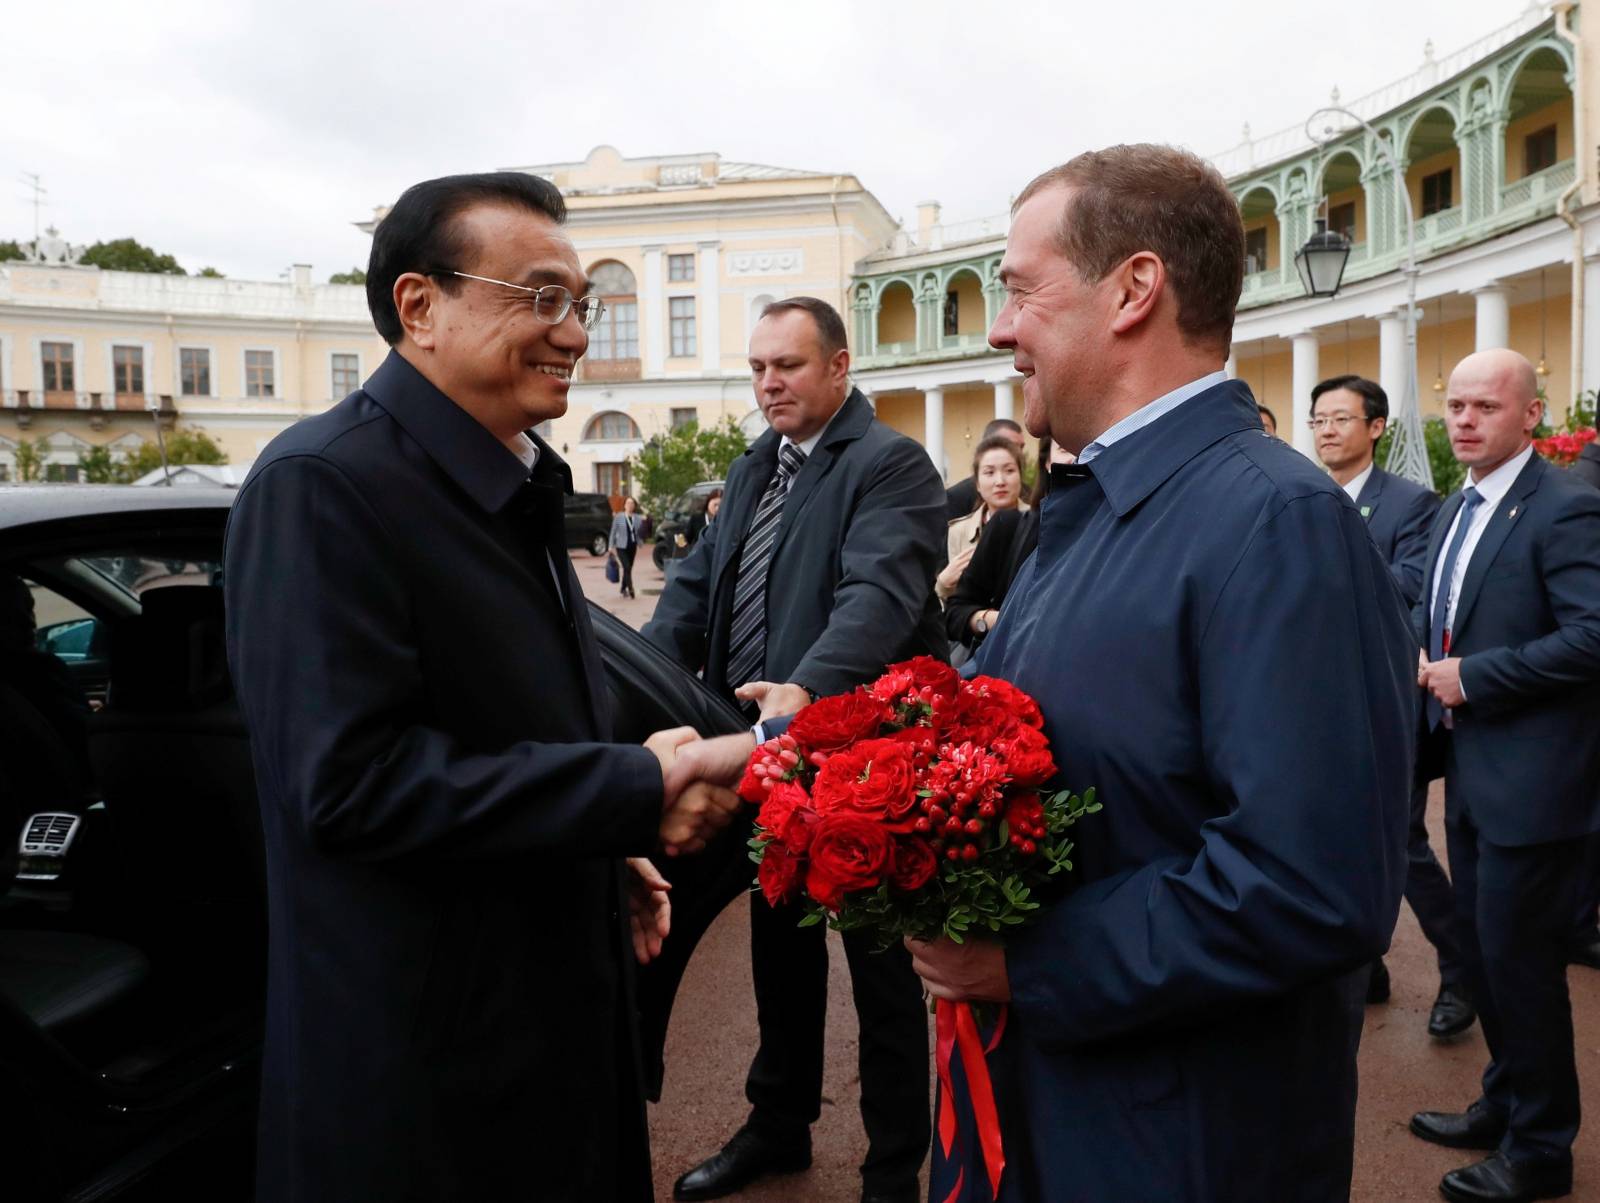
625	536
997	469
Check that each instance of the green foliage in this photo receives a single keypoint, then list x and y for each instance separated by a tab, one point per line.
1448	472
183	447
354	276
96	467
669	463
30	460
10	249
210	273
127	255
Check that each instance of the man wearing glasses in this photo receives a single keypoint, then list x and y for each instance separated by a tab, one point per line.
1348	416
449	1003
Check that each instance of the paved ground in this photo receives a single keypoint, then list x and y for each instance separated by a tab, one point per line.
1402	1070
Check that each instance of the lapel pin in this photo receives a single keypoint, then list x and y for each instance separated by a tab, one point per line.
1366	511
1513	513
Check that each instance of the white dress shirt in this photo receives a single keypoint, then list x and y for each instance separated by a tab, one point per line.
1492	488
1358	482
1146	414
807	446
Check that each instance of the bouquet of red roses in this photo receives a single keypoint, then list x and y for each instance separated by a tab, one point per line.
912	807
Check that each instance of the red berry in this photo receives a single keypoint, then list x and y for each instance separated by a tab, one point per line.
986	810
952	826
952	853
1016	840
970	852
922	827
974	826
1029	847
937	814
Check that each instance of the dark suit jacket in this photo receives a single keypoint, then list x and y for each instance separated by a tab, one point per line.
1007	539
446	1013
1399	515
1587	466
1526	747
961	498
850	586
1184	1022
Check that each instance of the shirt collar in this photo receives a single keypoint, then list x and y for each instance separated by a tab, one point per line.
1498	483
527	451
480	464
1146	414
1359	481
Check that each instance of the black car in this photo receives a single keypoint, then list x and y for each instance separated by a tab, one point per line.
589	522
681	525
132	933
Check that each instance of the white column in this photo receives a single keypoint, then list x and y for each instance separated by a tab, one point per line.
1494	318
933	426
1005	399
652	314
709	318
1392	357
1305	379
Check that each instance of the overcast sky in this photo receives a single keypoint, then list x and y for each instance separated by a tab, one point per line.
250	135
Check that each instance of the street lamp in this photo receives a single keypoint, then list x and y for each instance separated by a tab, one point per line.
1321	261
1408	452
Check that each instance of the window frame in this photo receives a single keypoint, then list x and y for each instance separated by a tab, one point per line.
71	362
338	394
682	338
244	361
1429	207
680	260
210	354
137	349
1536	138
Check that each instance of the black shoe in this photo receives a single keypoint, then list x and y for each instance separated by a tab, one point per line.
746	1157
1378	983
1505	1181
1478	1127
1587	955
1452	1014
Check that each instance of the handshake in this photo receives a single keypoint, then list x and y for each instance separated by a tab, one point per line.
697	801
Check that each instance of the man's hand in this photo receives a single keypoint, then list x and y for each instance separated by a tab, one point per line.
720	761
695	814
970	972
649	909
1442	678
1422	668
665	745
773	699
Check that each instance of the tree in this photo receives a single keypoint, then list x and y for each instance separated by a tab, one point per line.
96	467
10	249
1448	471
354	276
183	447
126	255
30	461
669	463
210	273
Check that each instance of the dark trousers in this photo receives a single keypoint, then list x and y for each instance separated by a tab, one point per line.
790	967
1515	907
625	559
1585	928
1429	894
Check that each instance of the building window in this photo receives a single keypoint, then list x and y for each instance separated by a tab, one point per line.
952	313
612	426
617	335
684	415
1255	250
680	267
346	375
127	370
1342	219
194	372
1436	192
63	474
258	376
614	480
1539	150
55	362
680	322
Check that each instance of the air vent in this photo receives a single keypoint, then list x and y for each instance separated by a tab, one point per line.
49	834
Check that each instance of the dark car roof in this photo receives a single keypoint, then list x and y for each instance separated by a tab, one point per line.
24	505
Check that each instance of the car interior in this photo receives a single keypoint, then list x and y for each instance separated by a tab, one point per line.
132	876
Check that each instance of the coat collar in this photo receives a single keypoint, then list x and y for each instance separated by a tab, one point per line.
1494	535
1367	499
1134	467
483	468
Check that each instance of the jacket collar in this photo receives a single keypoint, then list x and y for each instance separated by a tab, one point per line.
1494	535
1367	499
481	466
1132	468
849	421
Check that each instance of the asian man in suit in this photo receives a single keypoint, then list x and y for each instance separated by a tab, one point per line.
1348	416
1510	621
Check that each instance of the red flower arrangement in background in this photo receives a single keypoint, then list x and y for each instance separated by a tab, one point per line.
1564	449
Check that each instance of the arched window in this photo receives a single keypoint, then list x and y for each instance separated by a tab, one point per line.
617	335
611	426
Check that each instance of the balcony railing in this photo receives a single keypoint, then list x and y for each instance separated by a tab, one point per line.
962	342
1541	185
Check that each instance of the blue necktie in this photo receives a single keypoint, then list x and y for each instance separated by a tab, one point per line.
1470	498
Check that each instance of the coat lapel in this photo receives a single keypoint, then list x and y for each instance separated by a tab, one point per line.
1494	537
1371	493
1441	527
848	424
739	504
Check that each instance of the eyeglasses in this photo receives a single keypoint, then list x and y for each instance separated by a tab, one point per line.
1338	421
551	302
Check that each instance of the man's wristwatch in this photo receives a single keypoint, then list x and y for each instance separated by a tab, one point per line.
980	624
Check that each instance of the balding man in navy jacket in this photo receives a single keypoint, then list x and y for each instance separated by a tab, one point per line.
1183	1023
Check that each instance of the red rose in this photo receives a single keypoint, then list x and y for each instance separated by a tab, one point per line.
928	673
876	778
1027	757
798	829
829	724
848	852
779	873
780	801
1006	696
893	685
914	865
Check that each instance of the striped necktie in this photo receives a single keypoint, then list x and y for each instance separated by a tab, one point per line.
747	639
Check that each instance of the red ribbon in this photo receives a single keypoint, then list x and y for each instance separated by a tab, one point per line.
956	1028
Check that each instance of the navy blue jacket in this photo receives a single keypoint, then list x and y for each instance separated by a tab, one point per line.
1206	627
1399	515
448	970
1526	745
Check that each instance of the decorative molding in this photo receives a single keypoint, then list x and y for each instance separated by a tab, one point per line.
790	261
